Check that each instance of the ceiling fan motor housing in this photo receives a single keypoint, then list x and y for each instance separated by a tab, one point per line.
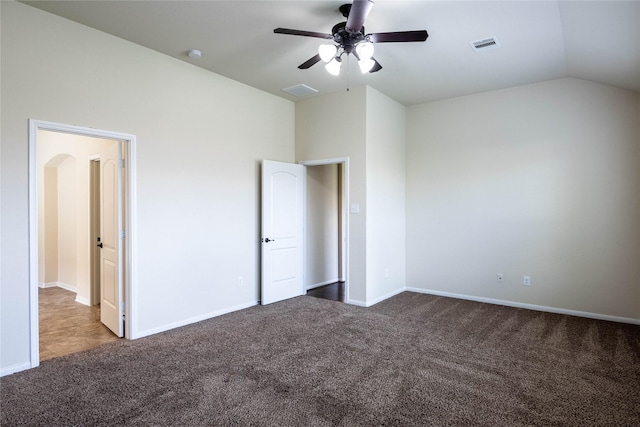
345	38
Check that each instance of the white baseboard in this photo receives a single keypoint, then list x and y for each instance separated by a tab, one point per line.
48	285
153	331
556	310
62	285
384	297
357	302
83	300
14	368
376	300
68	287
317	285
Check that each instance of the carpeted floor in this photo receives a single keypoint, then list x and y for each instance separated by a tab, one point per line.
411	360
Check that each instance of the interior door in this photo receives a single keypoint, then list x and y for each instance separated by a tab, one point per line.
110	238
282	231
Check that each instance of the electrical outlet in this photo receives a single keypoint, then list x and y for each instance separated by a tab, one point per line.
240	281
386	273
526	281
500	278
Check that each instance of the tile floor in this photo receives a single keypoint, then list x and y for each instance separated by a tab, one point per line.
66	326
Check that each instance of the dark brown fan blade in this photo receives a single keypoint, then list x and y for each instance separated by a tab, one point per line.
399	36
302	33
310	62
376	67
359	11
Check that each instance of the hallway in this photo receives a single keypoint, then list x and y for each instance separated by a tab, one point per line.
333	292
67	326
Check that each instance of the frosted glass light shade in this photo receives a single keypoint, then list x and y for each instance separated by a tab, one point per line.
333	67
366	65
365	50
327	52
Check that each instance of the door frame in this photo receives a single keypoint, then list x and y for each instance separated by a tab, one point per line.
94	227
344	161
129	244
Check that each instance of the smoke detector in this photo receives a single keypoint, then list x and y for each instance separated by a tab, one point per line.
194	54
483	45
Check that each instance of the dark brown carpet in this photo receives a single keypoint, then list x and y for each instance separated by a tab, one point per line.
411	360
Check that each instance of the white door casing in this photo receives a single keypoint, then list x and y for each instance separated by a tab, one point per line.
111	238
282	231
129	217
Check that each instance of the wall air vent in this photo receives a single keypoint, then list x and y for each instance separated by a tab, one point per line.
485	44
300	90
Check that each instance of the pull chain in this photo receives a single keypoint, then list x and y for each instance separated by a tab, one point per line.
348	74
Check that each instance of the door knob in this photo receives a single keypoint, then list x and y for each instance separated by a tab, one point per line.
99	245
267	240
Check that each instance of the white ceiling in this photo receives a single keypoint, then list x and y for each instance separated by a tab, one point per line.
540	40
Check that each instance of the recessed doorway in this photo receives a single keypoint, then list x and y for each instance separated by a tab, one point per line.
75	205
326	225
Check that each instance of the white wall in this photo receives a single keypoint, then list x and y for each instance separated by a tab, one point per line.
322	231
386	136
540	180
197	166
374	140
321	133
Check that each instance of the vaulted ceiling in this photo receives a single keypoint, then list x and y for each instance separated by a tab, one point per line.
539	40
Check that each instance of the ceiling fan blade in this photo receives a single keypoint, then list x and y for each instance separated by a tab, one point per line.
359	11
399	36
310	62
303	33
376	67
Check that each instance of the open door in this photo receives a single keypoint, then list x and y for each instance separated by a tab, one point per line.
111	239
282	231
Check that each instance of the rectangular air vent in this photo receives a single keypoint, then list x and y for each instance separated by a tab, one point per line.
300	90
485	44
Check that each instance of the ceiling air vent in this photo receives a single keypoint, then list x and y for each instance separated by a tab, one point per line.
485	44
300	90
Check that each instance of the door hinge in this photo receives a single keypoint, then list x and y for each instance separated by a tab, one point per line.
123	234
121	163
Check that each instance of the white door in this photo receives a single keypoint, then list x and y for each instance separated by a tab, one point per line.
110	239
282	231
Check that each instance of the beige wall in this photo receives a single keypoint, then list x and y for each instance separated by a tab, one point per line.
48	226
386	164
321	133
197	166
67	222
540	180
63	209
374	141
322	231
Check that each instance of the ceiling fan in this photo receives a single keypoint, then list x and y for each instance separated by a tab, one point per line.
349	37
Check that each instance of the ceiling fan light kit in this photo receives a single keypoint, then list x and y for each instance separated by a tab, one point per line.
327	52
366	65
333	67
365	50
350	38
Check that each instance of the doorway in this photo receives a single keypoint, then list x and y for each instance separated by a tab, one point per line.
64	194
326	225
289	239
